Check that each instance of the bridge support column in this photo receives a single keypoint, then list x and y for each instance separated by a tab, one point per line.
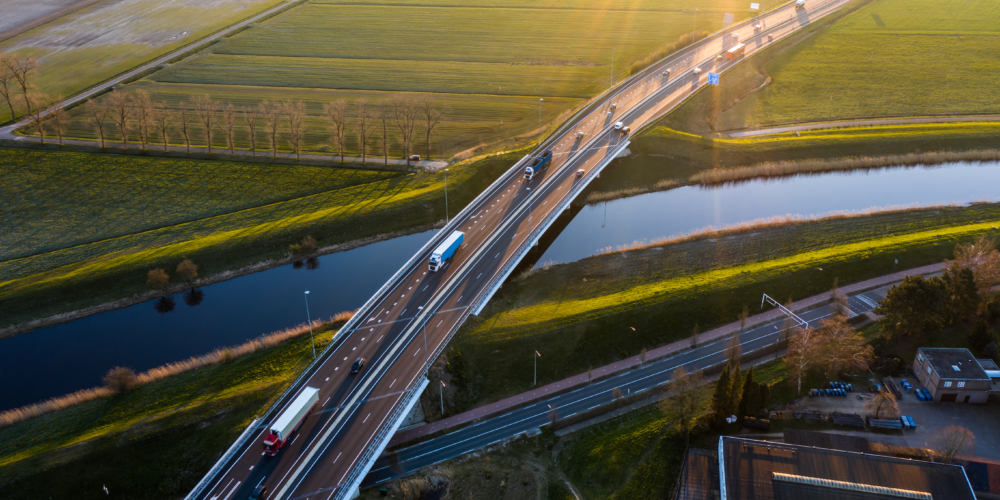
354	490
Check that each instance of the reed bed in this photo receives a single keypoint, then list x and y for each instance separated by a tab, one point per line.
792	168
663	185
218	356
765	223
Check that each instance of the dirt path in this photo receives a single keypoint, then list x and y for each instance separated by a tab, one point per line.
858	123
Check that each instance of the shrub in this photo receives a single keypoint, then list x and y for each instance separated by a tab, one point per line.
296	249
187	269
309	244
120	380
157	278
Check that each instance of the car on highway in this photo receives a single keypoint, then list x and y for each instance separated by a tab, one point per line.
770	38
579	135
757	28
259	492
579	173
718	57
619	125
626	130
358	365
612	107
697	71
666	72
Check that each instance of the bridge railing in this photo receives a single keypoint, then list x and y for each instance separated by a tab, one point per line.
200	487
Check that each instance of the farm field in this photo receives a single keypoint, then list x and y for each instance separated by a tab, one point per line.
95	272
889	58
488	64
110	37
664	290
59	200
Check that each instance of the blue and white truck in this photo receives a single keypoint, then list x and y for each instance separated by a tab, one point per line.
537	163
445	250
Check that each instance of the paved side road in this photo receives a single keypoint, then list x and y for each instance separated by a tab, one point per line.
858	123
504	423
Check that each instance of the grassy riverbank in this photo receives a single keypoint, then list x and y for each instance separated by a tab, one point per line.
155	442
607	307
103	270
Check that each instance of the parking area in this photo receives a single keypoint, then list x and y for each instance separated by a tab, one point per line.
983	420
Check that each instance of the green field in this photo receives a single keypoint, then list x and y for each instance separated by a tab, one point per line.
489	64
101	270
889	58
60	200
108	38
663	291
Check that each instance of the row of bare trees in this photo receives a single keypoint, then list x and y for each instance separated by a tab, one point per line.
133	113
17	85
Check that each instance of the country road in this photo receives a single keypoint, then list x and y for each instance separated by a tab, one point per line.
875	122
412	318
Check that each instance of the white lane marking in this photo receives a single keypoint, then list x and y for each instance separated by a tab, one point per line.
327	400
234	490
497	256
366	418
251	467
425	288
338	457
380	338
480	274
418	352
393	382
439	323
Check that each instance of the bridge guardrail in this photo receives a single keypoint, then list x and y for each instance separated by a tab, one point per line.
198	488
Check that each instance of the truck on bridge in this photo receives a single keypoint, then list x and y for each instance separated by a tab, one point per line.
290	420
736	52
445	250
537	163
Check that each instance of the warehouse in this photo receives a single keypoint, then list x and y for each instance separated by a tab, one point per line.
952	375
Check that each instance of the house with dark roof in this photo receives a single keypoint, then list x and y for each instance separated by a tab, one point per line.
749	469
953	375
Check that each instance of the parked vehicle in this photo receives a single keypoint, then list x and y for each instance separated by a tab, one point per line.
358	365
290	420
445	250
736	52
537	163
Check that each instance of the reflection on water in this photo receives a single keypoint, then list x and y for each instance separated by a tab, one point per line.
690	208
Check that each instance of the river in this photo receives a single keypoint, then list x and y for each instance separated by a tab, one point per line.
63	358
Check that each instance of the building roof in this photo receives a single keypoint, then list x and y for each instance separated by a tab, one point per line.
953	363
761	470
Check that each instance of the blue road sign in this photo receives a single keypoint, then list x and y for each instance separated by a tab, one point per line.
713	78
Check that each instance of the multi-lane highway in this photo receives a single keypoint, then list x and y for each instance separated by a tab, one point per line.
411	319
654	374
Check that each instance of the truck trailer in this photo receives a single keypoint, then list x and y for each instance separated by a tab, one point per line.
445	250
537	163
290	420
736	52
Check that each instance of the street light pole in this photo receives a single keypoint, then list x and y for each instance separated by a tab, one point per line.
309	320
442	398
446	196
612	67
536	368
539	144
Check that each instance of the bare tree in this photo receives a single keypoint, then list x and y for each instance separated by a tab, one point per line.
162	119
734	349
229	116
36	114
953	441
431	115
684	402
882	404
642	357
361	126
250	117
206	108
120	380
23	69
187	269
98	119
60	119
804	349
271	111
143	115
157	278
121	113
335	114
694	336
185	118
383	113
8	84
404	113
843	348
982	258
295	112
744	318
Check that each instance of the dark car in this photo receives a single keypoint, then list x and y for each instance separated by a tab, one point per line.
358	365
258	492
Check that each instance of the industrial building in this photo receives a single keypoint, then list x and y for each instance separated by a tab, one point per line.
953	375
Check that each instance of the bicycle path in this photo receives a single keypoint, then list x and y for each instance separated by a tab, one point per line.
858	123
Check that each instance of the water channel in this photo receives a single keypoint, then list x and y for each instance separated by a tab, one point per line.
60	359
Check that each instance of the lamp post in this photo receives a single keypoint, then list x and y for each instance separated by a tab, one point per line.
309	320
446	196
442	398
612	67
539	143
537	355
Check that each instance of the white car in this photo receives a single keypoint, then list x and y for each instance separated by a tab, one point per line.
697	71
619	125
579	173
757	28
666	73
718	57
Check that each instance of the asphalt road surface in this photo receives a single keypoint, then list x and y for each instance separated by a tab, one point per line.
422	308
529	418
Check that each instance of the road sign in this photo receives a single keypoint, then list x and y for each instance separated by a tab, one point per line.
727	19
754	7
713	78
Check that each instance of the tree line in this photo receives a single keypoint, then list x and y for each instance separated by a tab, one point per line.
407	118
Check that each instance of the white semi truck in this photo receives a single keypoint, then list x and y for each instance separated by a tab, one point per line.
290	420
445	250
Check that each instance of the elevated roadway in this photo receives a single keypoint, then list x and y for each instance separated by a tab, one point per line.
411	319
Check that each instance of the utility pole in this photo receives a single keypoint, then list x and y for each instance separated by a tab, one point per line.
446	196
442	398
537	355
309	320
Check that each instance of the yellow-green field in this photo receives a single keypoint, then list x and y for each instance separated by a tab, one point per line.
488	63
111	37
889	58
